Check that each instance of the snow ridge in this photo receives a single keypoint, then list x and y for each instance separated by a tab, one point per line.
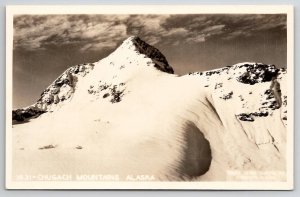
194	127
252	75
60	91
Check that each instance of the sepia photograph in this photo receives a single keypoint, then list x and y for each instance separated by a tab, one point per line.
149	97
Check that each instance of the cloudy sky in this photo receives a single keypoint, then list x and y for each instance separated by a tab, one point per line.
46	45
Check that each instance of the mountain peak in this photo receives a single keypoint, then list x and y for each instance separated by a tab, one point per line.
131	38
141	47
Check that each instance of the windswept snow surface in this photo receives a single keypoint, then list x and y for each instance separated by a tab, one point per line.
127	114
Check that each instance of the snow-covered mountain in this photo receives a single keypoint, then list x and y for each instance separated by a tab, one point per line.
128	114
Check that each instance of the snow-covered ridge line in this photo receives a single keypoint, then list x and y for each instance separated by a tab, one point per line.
223	81
59	91
128	112
63	88
247	72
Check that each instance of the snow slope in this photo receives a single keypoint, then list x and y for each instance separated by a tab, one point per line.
128	114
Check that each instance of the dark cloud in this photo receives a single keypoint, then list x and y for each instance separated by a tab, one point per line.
95	32
225	26
88	32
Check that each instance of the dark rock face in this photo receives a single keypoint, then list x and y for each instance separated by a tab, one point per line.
227	96
20	115
157	57
114	92
251	74
47	147
257	73
251	116
67	80
245	117
60	90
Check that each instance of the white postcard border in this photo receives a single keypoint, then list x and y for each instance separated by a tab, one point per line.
151	9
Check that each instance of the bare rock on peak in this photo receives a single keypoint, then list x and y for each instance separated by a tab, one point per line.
153	53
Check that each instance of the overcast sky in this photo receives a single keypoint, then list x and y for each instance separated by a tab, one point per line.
46	45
